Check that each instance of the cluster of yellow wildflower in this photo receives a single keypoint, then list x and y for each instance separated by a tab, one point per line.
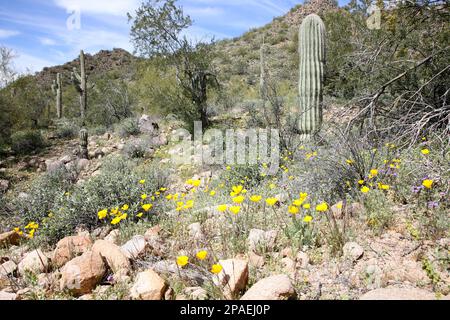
183	261
31	227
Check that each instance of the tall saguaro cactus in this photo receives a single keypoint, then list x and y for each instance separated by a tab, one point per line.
312	63
84	154
80	81
263	75
57	90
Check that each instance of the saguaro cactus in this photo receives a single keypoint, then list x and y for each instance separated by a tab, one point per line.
80	81
84	154
263	76
312	63
57	90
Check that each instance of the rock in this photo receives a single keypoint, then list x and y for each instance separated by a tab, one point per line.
402	270
7	296
287	252
233	278
106	136
11	238
70	247
82	164
195	293
288	265
8	268
353	251
82	274
66	159
255	260
159	141
46	281
148	124
135	248
152	232
120	146
392	293
54	166
114	257
302	260
337	210
113	236
355	209
4	185
260	239
35	262
195	231
277	287
148	286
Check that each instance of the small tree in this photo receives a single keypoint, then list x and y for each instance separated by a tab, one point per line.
157	32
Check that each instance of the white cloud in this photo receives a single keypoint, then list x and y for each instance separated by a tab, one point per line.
47	41
109	7
26	63
4	34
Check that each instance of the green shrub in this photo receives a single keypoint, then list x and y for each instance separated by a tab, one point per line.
67	129
28	141
128	127
136	149
72	206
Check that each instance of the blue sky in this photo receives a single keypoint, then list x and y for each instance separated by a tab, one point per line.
37	29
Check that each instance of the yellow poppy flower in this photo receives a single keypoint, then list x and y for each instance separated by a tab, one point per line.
293	210
140	215
125	207
428	183
425	151
235	209
147	207
271	201
306	206
365	189
238	199
255	198
201	255
307	219
322	207
182	261
216	269
102	214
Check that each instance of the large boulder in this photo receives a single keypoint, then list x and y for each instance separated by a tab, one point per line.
7	270
114	257
148	124
148	286
54	166
277	287
11	238
70	247
353	251
393	293
135	248
260	239
7	296
35	262
233	277
82	274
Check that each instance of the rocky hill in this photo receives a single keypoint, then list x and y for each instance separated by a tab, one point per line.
240	56
98	64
